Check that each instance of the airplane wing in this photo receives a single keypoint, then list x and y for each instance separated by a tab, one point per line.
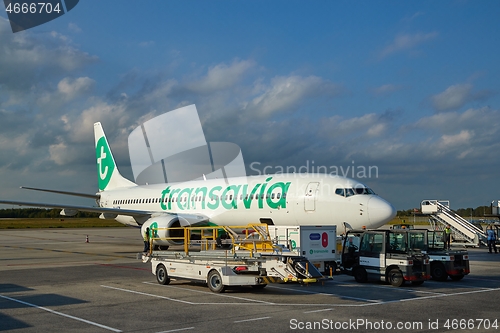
139	215
111	211
85	195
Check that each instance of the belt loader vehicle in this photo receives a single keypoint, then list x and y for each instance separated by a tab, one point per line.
444	263
244	262
394	256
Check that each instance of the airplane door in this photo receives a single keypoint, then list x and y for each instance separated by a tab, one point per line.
310	197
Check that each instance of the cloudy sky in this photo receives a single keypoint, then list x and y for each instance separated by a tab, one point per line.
411	88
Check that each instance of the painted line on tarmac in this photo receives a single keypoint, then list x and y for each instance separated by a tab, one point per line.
326	294
62	314
185	302
253	302
253	319
256	302
389	288
107	256
177	330
213	294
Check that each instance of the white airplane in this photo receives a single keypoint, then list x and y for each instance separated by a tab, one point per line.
280	199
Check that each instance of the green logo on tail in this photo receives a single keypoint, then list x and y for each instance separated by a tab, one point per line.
105	165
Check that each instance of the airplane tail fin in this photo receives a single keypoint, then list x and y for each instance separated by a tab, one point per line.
108	175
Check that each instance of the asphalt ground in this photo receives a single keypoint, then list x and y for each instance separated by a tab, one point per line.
51	280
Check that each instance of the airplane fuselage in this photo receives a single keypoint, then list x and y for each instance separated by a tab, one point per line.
281	199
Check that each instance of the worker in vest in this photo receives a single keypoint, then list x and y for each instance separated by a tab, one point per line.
447	237
491	239
146	240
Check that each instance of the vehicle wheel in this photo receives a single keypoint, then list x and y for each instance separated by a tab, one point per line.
359	274
417	283
214	282
438	272
395	277
162	275
457	277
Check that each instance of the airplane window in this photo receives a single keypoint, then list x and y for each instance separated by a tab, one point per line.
284	195
272	196
349	192
363	190
230	197
340	191
278	195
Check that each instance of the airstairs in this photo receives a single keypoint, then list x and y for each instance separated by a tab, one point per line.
463	231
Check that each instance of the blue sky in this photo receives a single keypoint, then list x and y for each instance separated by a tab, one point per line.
409	87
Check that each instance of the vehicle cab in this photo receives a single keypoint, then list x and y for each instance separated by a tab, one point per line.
394	256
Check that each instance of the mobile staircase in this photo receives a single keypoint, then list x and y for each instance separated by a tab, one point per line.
463	231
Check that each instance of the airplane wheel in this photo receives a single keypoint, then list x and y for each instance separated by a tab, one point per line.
162	275
214	282
457	277
438	272
360	274
395	277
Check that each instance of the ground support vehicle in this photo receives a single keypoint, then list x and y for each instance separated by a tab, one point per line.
394	256
316	243
243	262
444	263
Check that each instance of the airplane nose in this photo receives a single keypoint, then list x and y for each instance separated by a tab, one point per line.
380	212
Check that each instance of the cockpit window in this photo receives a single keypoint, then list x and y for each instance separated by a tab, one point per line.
363	190
347	192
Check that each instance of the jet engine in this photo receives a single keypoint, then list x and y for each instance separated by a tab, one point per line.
160	230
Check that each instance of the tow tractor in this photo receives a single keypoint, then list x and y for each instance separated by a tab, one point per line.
444	263
223	256
394	256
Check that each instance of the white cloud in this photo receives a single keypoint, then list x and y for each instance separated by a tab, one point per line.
286	92
456	96
27	59
453	97
74	27
385	89
221	76
73	87
460	139
369	125
405	42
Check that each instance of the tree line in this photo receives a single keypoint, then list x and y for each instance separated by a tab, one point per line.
39	213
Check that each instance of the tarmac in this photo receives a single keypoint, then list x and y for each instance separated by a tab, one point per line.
53	280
